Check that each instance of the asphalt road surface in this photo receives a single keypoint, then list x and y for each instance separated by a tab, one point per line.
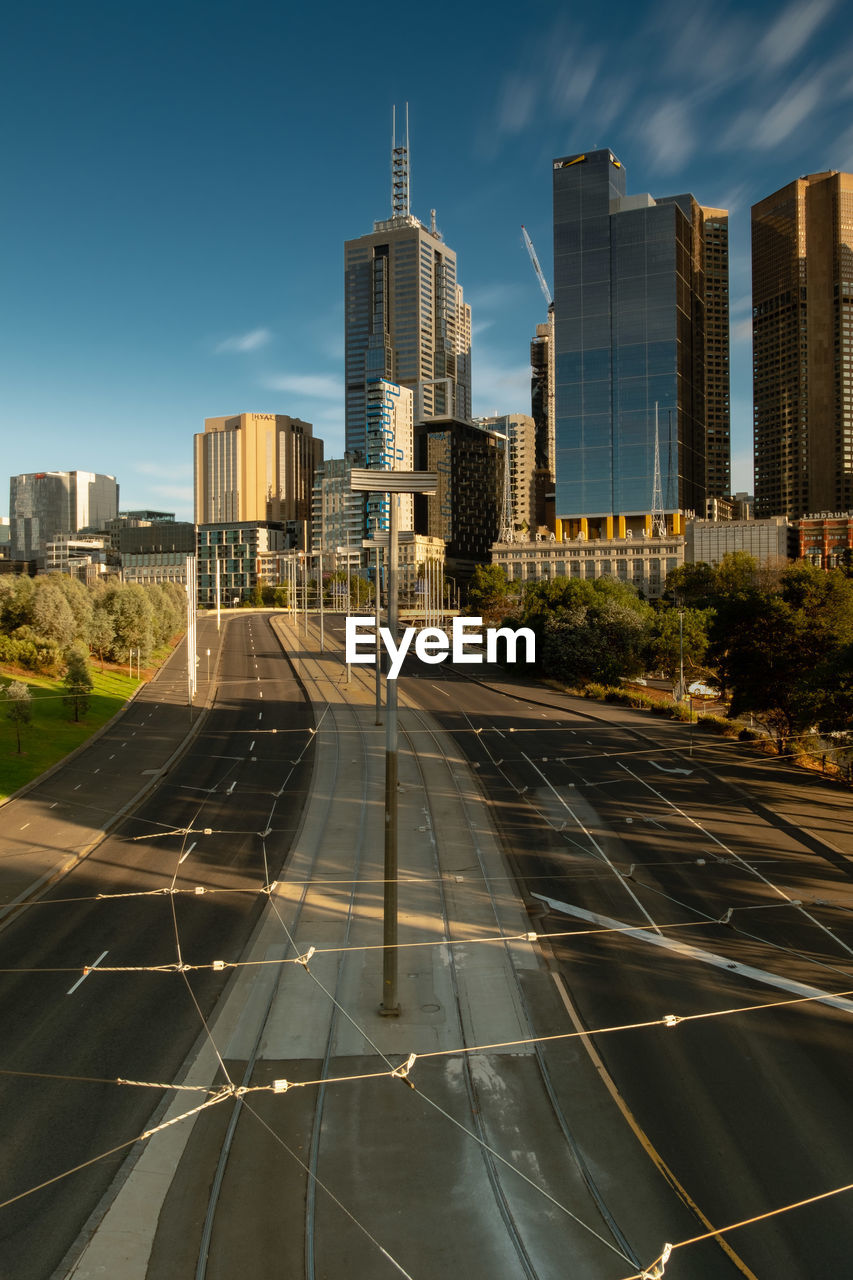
734	873
223	817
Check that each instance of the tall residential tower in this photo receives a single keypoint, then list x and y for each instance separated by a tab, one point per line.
641	342
406	319
802	328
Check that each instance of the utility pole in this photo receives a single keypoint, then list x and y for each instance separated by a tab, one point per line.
393	483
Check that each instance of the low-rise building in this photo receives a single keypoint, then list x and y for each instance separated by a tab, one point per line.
644	561
769	541
826	539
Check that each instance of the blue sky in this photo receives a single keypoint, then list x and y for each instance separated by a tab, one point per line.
179	180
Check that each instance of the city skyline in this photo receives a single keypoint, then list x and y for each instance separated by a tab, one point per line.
180	195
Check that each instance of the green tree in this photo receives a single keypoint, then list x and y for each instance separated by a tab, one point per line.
77	680
671	636
101	632
588	630
133	619
51	615
19	707
780	650
490	595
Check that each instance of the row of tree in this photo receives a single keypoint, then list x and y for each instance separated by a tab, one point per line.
779	643
43	619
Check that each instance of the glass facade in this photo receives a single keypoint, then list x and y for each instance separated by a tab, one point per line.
405	322
630	344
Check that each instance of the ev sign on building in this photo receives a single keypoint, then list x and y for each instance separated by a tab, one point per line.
468	641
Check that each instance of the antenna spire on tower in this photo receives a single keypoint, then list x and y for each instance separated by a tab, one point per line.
399	169
658	517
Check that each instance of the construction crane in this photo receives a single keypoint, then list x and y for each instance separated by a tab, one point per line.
543	284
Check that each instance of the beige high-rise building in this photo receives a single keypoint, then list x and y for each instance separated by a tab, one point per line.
519	429
256	466
802	307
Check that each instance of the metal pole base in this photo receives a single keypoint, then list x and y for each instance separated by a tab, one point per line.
386	1011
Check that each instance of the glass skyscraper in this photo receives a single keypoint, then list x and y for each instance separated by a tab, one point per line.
638	311
406	321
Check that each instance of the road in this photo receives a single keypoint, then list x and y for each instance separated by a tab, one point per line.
720	852
223	817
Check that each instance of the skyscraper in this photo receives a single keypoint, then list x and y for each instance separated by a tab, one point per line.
255	466
43	504
640	291
406	319
542	411
802	328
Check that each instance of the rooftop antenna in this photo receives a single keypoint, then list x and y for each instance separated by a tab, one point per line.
658	517
399	169
507	529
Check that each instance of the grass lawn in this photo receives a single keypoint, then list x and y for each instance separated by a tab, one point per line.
52	733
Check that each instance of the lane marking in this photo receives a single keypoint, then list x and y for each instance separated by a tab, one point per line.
55	803
665	768
79	785
188	852
688	952
741	861
252	745
86	973
260	715
593	841
639	1133
24	827
231	788
98	770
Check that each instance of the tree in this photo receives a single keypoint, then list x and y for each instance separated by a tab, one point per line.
77	680
19	707
672	636
780	650
133	617
101	632
489	595
51	614
588	630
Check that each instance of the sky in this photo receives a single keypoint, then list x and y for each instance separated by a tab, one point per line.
180	178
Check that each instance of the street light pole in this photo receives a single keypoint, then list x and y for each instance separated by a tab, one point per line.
393	483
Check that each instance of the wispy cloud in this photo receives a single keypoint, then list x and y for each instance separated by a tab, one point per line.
669	134
317	386
517	103
791	32
787	113
242	342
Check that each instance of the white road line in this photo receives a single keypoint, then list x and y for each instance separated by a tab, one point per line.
112	757
444	691
79	785
86	973
688	952
260	692
231	788
252	745
741	861
260	715
593	840
496	730
55	803
98	770
188	852
665	769
24	827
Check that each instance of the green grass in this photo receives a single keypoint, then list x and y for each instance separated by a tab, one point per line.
53	733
